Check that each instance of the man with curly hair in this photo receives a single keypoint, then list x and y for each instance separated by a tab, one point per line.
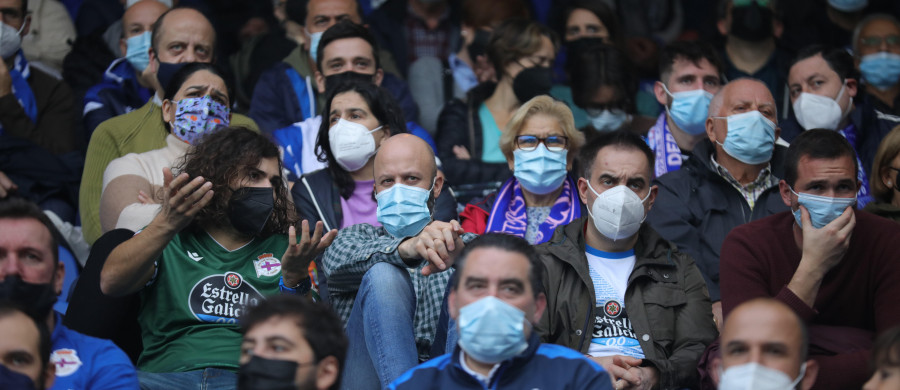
208	256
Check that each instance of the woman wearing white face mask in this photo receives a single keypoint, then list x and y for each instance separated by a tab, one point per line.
540	144
357	117
823	83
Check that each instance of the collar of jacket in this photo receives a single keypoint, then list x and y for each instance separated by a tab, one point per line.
650	251
704	149
507	368
479	93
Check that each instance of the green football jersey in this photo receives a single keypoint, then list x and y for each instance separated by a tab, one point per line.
190	310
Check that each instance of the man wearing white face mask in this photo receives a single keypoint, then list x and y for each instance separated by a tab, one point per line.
495	298
648	319
764	347
387	282
834	266
823	85
732	179
689	77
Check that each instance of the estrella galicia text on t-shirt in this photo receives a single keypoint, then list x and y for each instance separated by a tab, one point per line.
615	335
222	298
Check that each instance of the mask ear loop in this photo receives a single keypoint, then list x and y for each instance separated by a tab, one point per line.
838	99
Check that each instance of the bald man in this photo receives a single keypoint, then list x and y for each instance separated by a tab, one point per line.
765	343
732	179
388	282
179	36
128	81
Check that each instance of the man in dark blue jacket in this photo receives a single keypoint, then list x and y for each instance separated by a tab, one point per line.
287	93
128	83
731	179
495	298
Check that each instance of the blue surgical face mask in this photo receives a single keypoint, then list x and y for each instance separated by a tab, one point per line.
137	52
403	210
607	120
822	209
848	5
880	70
314	39
540	171
689	110
491	331
751	137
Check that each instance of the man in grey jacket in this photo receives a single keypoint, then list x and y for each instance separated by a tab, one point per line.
651	317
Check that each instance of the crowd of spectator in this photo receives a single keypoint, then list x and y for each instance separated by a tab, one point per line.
447	194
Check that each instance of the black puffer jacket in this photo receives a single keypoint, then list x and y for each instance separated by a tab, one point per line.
459	125
696	208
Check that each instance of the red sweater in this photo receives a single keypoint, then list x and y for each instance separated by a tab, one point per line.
861	294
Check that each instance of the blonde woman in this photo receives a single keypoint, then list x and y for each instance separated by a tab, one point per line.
540	143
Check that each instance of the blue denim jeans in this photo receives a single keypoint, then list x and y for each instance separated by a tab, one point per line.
206	379
380	329
445	336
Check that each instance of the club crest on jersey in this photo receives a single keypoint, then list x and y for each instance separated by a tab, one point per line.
612	308
222	298
266	265
66	361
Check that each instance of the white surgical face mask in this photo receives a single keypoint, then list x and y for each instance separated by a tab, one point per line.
10	39
351	144
819	112
618	212
753	376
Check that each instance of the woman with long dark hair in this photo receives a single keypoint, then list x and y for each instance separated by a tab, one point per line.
224	239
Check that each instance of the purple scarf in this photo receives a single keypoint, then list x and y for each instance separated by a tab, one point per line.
508	215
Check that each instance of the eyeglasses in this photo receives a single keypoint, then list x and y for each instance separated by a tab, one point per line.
890	40
554	143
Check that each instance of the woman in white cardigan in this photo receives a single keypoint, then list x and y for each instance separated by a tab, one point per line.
196	102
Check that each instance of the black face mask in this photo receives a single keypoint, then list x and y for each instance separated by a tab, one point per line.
36	300
751	22
14	380
478	47
267	374
250	208
531	82
167	71
351	77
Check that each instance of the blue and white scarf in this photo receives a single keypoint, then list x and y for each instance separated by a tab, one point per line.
508	215
19	74
665	149
863	197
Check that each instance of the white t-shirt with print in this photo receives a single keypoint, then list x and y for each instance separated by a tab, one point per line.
613	333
